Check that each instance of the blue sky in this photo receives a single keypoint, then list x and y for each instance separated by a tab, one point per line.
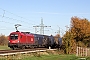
28	13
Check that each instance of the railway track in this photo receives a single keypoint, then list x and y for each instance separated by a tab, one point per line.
10	51
13	52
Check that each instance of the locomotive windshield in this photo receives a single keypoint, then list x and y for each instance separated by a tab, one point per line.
14	36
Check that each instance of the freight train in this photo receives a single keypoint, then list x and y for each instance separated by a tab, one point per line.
23	40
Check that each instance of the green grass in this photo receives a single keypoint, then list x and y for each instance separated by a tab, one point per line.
55	57
43	57
4	48
52	57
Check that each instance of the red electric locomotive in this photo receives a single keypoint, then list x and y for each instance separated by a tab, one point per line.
20	40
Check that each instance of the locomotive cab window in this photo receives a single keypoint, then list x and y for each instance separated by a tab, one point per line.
14	36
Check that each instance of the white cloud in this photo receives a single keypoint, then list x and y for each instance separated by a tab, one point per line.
60	13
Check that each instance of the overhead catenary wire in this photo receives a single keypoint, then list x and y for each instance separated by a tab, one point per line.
17	15
15	19
18	20
12	23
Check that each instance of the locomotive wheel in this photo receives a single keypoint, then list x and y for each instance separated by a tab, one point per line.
32	47
23	47
13	48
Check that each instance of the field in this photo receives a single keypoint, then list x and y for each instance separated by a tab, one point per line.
4	48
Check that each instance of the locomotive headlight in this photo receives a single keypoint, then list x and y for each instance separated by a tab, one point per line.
18	41
9	41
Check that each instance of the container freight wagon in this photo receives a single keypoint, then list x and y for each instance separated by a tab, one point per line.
57	42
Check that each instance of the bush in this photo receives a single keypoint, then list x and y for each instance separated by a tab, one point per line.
3	40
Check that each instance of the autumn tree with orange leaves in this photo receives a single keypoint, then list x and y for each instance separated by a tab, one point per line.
78	35
80	29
